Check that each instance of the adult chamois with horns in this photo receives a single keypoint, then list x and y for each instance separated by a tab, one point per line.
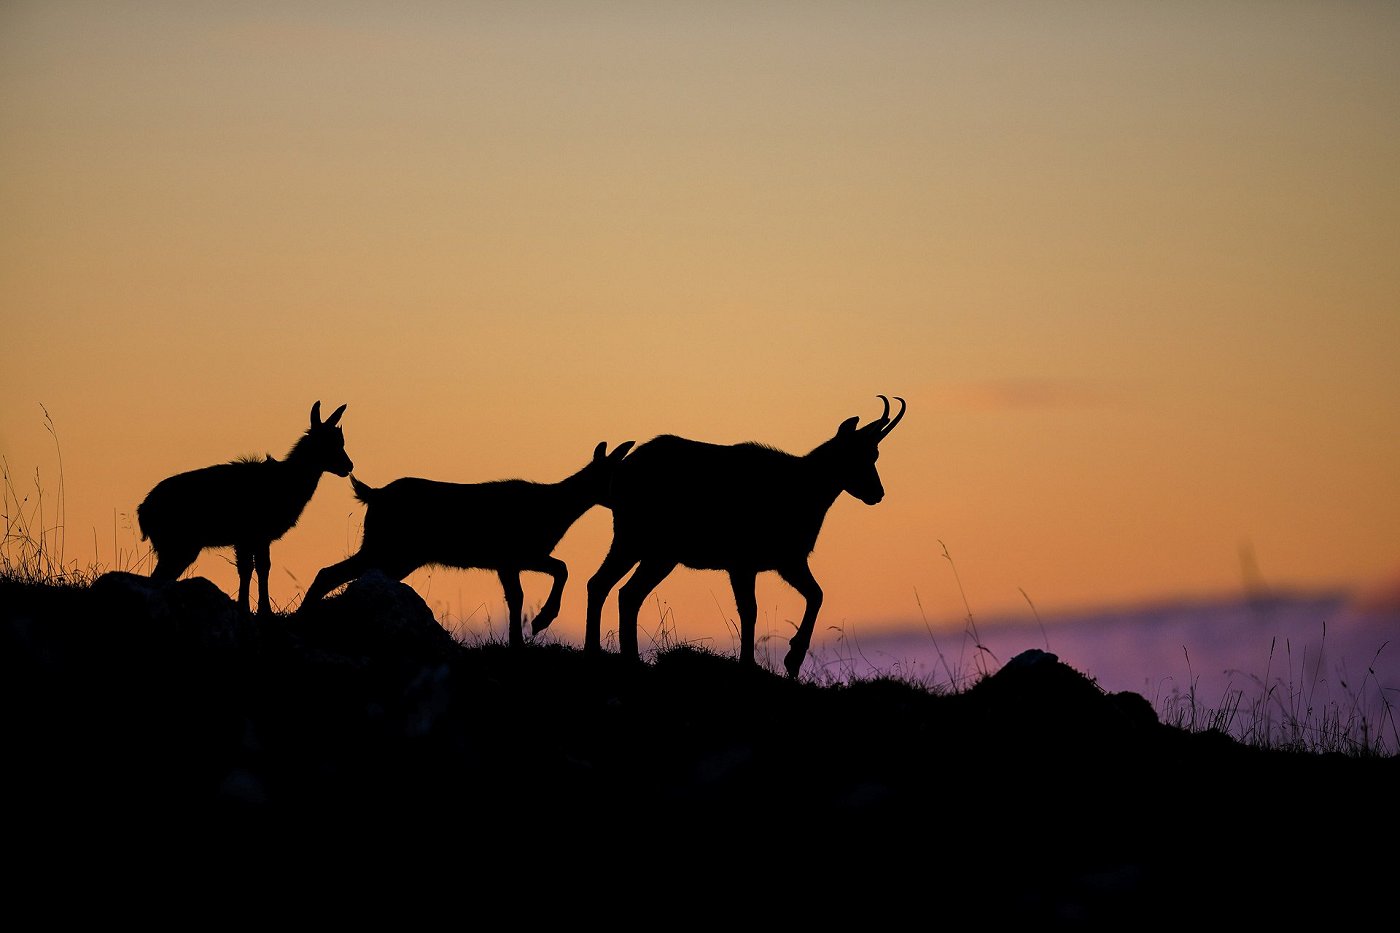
509	526
740	508
246	504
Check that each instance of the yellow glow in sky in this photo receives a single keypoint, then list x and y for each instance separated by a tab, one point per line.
1132	265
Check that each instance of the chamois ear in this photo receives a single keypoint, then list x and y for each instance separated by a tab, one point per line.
620	451
335	416
848	425
316	414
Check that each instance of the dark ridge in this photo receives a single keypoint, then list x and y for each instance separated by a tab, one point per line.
156	736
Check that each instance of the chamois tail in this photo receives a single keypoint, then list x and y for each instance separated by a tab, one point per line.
363	492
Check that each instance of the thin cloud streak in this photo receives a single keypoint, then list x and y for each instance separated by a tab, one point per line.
1021	394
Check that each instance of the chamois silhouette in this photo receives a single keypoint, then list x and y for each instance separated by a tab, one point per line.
741	508
247	503
509	526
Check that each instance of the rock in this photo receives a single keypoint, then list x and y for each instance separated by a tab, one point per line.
377	616
191	612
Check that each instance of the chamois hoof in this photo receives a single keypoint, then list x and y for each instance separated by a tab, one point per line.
793	662
542	621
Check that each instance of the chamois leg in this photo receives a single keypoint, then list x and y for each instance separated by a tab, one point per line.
800	578
333	576
630	598
262	563
173	561
243	559
515	601
746	601
613	568
557	569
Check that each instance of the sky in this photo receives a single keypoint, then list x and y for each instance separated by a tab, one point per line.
1132	266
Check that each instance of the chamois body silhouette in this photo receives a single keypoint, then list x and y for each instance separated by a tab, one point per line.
246	504
509	526
743	509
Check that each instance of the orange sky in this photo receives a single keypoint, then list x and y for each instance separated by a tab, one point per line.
1132	265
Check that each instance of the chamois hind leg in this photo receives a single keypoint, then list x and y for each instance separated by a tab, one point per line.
515	601
630	598
745	600
557	569
800	578
613	568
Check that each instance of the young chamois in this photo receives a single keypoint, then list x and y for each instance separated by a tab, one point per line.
743	509
508	526
247	504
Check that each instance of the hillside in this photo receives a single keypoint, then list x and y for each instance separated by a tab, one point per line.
363	742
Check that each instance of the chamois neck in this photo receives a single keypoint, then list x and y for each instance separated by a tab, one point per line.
301	456
822	481
578	491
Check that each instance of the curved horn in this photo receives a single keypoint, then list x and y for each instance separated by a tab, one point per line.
316	413
890	426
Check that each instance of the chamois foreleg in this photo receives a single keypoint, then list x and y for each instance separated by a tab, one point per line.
173	561
243	559
799	577
613	569
262	563
629	601
335	575
557	569
515	602
746	601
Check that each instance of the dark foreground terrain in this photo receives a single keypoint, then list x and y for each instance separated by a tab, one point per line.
171	763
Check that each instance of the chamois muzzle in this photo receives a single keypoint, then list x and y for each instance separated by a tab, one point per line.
872	497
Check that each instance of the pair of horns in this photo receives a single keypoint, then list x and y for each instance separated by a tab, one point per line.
883	425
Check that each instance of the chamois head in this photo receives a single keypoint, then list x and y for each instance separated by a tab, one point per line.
853	451
598	474
324	443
